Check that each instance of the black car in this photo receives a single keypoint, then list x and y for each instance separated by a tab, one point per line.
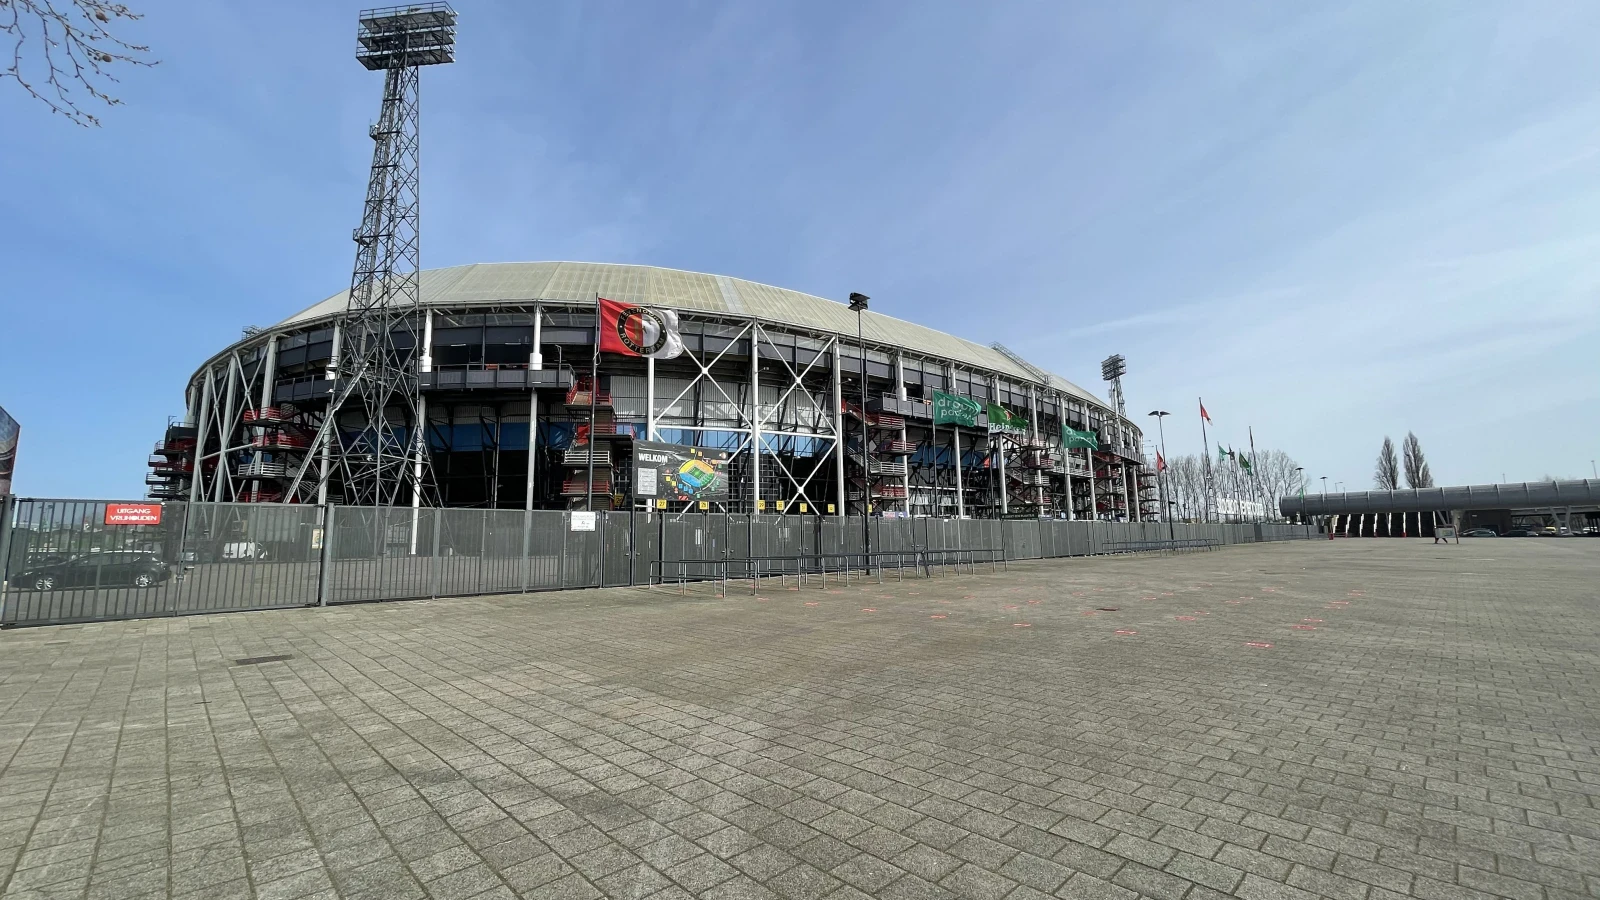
1521	532
1479	532
112	568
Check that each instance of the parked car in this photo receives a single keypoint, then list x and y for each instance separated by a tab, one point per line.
1521	532
111	568
1479	532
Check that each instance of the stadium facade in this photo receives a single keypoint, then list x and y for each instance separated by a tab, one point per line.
506	352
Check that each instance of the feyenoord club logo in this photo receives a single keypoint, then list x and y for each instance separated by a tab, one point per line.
641	330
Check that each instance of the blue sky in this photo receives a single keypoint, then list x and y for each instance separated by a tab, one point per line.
1333	221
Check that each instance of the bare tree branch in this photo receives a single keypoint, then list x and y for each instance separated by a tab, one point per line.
58	55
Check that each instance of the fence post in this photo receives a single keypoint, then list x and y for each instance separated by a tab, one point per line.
526	563
603	524
438	564
324	569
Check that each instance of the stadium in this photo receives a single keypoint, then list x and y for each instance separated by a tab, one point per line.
522	413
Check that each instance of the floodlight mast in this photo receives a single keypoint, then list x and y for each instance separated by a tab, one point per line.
371	446
1112	368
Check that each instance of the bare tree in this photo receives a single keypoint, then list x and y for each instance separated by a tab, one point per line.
1417	474
1387	475
63	47
1275	471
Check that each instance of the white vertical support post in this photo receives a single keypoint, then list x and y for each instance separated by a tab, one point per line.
650	398
838	429
961	499
900	394
225	427
200	438
419	445
269	375
1066	455
999	445
325	457
426	358
755	417
535	364
1034	436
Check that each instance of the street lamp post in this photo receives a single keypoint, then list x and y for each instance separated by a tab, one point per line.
1300	472
1161	475
858	302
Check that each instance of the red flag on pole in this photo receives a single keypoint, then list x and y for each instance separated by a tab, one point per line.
634	330
1203	414
1161	464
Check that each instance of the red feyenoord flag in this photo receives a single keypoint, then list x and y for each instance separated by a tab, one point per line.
1203	414
1161	464
634	330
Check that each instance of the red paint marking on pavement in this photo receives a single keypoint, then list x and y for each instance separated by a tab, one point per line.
1126	631
811	603
1013	606
1035	602
1184	618
1259	645
1305	627
937	616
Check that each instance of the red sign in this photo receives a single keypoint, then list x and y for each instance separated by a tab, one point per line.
133	514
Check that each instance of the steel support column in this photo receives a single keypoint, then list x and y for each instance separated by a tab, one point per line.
838	428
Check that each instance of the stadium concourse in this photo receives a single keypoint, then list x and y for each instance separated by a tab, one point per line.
768	383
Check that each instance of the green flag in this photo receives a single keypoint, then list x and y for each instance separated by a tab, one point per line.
1222	455
1244	462
1073	439
1001	420
949	409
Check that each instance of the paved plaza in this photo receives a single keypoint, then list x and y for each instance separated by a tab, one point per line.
1345	719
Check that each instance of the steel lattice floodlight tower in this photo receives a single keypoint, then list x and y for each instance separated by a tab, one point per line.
1112	368
386	461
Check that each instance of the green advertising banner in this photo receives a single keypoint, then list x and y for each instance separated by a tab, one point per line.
948	409
1001	420
1073	439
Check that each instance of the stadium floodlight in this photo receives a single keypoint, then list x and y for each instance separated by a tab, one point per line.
396	37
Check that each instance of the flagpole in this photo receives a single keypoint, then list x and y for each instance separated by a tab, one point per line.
1205	458
933	445
594	392
1255	476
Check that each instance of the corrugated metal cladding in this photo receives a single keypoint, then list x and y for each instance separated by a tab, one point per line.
1526	495
575	282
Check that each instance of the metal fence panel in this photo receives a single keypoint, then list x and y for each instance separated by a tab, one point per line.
61	563
240	556
64	564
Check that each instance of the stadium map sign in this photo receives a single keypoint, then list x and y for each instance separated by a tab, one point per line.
677	472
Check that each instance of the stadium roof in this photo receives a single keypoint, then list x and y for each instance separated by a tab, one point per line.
577	282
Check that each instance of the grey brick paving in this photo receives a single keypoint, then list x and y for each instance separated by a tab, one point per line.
1429	732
